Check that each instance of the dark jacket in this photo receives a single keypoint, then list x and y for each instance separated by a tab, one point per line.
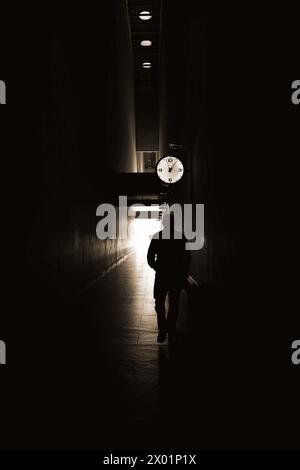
169	257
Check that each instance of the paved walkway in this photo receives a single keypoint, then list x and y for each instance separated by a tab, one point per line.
143	377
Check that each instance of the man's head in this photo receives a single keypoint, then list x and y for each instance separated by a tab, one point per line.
169	222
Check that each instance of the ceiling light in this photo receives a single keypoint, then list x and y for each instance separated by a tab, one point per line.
145	15
147	65
146	43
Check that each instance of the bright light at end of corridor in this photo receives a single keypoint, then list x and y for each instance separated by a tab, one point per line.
141	231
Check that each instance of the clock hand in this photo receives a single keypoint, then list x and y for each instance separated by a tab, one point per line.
173	165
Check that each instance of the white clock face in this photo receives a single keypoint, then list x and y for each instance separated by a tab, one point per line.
169	169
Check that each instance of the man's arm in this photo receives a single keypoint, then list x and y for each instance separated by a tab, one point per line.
151	256
186	261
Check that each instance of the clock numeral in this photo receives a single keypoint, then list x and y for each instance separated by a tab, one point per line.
160	169
179	169
170	160
170	179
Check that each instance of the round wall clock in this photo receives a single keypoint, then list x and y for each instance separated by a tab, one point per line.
169	169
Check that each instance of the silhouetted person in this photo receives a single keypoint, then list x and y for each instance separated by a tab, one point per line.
170	260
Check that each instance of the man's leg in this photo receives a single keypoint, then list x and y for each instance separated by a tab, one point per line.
174	293
160	292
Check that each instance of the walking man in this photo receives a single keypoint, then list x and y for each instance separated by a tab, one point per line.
169	258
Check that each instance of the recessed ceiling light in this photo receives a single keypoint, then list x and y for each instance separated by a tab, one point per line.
147	65
145	15
146	43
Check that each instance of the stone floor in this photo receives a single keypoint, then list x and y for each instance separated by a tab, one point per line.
123	305
142	377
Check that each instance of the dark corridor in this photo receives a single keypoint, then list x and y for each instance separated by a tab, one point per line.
92	110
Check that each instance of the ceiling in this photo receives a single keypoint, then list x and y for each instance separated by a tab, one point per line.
146	79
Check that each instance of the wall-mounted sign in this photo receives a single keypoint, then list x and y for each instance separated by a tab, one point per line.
176	146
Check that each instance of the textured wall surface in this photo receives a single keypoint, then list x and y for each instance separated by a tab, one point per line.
78	131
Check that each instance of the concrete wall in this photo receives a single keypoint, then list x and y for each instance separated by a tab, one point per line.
198	77
183	112
147	121
78	130
214	103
